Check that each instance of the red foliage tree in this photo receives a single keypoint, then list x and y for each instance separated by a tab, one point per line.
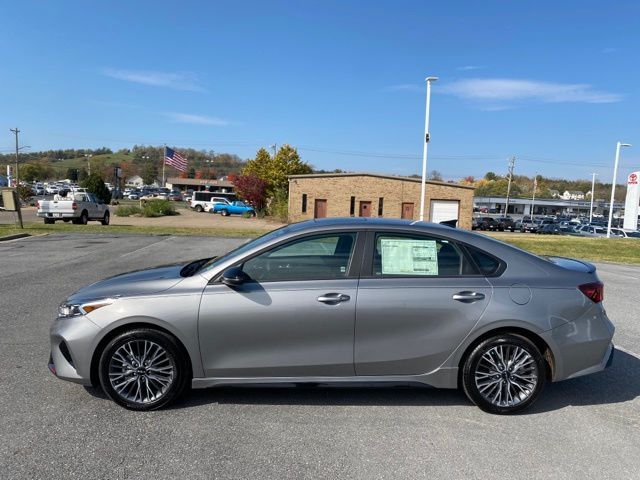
252	189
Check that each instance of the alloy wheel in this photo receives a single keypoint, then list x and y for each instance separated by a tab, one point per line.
506	375
141	371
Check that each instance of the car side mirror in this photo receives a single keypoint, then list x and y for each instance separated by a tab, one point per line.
234	277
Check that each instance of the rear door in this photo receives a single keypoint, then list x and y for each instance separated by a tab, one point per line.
418	297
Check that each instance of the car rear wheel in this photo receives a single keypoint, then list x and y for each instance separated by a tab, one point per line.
224	213
105	219
84	218
143	369
49	221
504	374
198	208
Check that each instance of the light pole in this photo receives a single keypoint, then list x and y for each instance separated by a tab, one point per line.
426	143
533	198
88	157
593	186
613	184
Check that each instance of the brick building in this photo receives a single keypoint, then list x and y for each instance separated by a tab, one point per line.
372	195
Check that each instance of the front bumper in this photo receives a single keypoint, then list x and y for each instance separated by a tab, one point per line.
72	341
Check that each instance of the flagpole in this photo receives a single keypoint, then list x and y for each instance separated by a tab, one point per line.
164	161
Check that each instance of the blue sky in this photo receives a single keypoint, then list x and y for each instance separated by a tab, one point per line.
554	83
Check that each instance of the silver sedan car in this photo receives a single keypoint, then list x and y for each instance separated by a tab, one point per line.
341	301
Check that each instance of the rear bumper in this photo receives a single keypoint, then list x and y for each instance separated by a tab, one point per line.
583	346
55	215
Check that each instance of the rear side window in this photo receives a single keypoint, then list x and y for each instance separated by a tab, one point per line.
412	256
487	264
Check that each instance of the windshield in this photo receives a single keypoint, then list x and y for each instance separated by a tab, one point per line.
244	248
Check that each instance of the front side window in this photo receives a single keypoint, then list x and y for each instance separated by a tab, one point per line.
407	255
320	257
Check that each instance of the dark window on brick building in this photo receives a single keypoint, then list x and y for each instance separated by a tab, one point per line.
380	206
352	208
304	203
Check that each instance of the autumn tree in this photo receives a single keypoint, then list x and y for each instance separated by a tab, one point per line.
253	189
275	170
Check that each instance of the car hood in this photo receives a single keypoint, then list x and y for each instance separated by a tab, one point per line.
141	282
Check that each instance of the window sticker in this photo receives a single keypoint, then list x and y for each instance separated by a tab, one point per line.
406	256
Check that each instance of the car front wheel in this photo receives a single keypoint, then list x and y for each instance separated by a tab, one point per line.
143	369
504	374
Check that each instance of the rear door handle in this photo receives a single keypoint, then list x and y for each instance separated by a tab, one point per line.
468	297
333	298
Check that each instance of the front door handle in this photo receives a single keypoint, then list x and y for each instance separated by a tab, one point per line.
468	297
333	298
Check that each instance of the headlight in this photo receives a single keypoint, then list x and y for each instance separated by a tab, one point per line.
68	310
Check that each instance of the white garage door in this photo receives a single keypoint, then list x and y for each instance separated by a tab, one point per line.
444	210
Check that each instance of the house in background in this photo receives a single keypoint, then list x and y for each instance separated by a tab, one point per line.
573	195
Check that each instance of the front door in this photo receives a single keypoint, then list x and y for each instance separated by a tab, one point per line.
320	210
365	209
407	211
293	318
417	302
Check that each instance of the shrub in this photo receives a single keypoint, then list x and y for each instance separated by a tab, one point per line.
158	208
128	210
279	206
95	185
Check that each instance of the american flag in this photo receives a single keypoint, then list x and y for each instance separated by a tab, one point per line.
174	159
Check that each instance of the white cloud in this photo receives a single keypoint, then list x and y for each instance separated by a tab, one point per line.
505	89
176	81
467	68
198	119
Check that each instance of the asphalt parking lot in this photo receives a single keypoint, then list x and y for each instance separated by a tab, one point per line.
583	428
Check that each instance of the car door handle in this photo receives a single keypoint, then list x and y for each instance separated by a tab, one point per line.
333	298
468	297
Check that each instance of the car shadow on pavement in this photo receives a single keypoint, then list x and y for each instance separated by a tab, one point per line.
619	383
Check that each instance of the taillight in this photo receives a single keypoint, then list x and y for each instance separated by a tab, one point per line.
74	206
594	291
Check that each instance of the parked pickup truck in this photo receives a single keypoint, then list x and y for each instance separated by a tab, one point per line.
78	207
233	208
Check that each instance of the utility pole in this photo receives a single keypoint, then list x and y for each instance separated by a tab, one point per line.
512	163
593	187
16	131
275	148
533	199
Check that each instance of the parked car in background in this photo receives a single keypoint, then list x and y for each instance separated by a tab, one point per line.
529	225
209	206
592	231
549	229
487	223
201	200
233	208
506	223
78	208
282	309
134	195
619	232
175	196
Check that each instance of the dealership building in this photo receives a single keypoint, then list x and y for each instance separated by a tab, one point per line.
546	206
372	195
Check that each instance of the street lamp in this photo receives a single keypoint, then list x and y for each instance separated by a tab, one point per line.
613	184
426	143
88	157
593	187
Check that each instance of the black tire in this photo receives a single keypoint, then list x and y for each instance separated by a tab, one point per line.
84	218
253	213
224	213
199	209
180	375
106	218
49	221
534	368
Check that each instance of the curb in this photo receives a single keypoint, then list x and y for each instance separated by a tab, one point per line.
14	237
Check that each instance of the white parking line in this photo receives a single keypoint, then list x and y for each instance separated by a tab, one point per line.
628	352
145	247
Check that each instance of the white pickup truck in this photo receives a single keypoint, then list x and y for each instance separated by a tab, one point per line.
77	207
